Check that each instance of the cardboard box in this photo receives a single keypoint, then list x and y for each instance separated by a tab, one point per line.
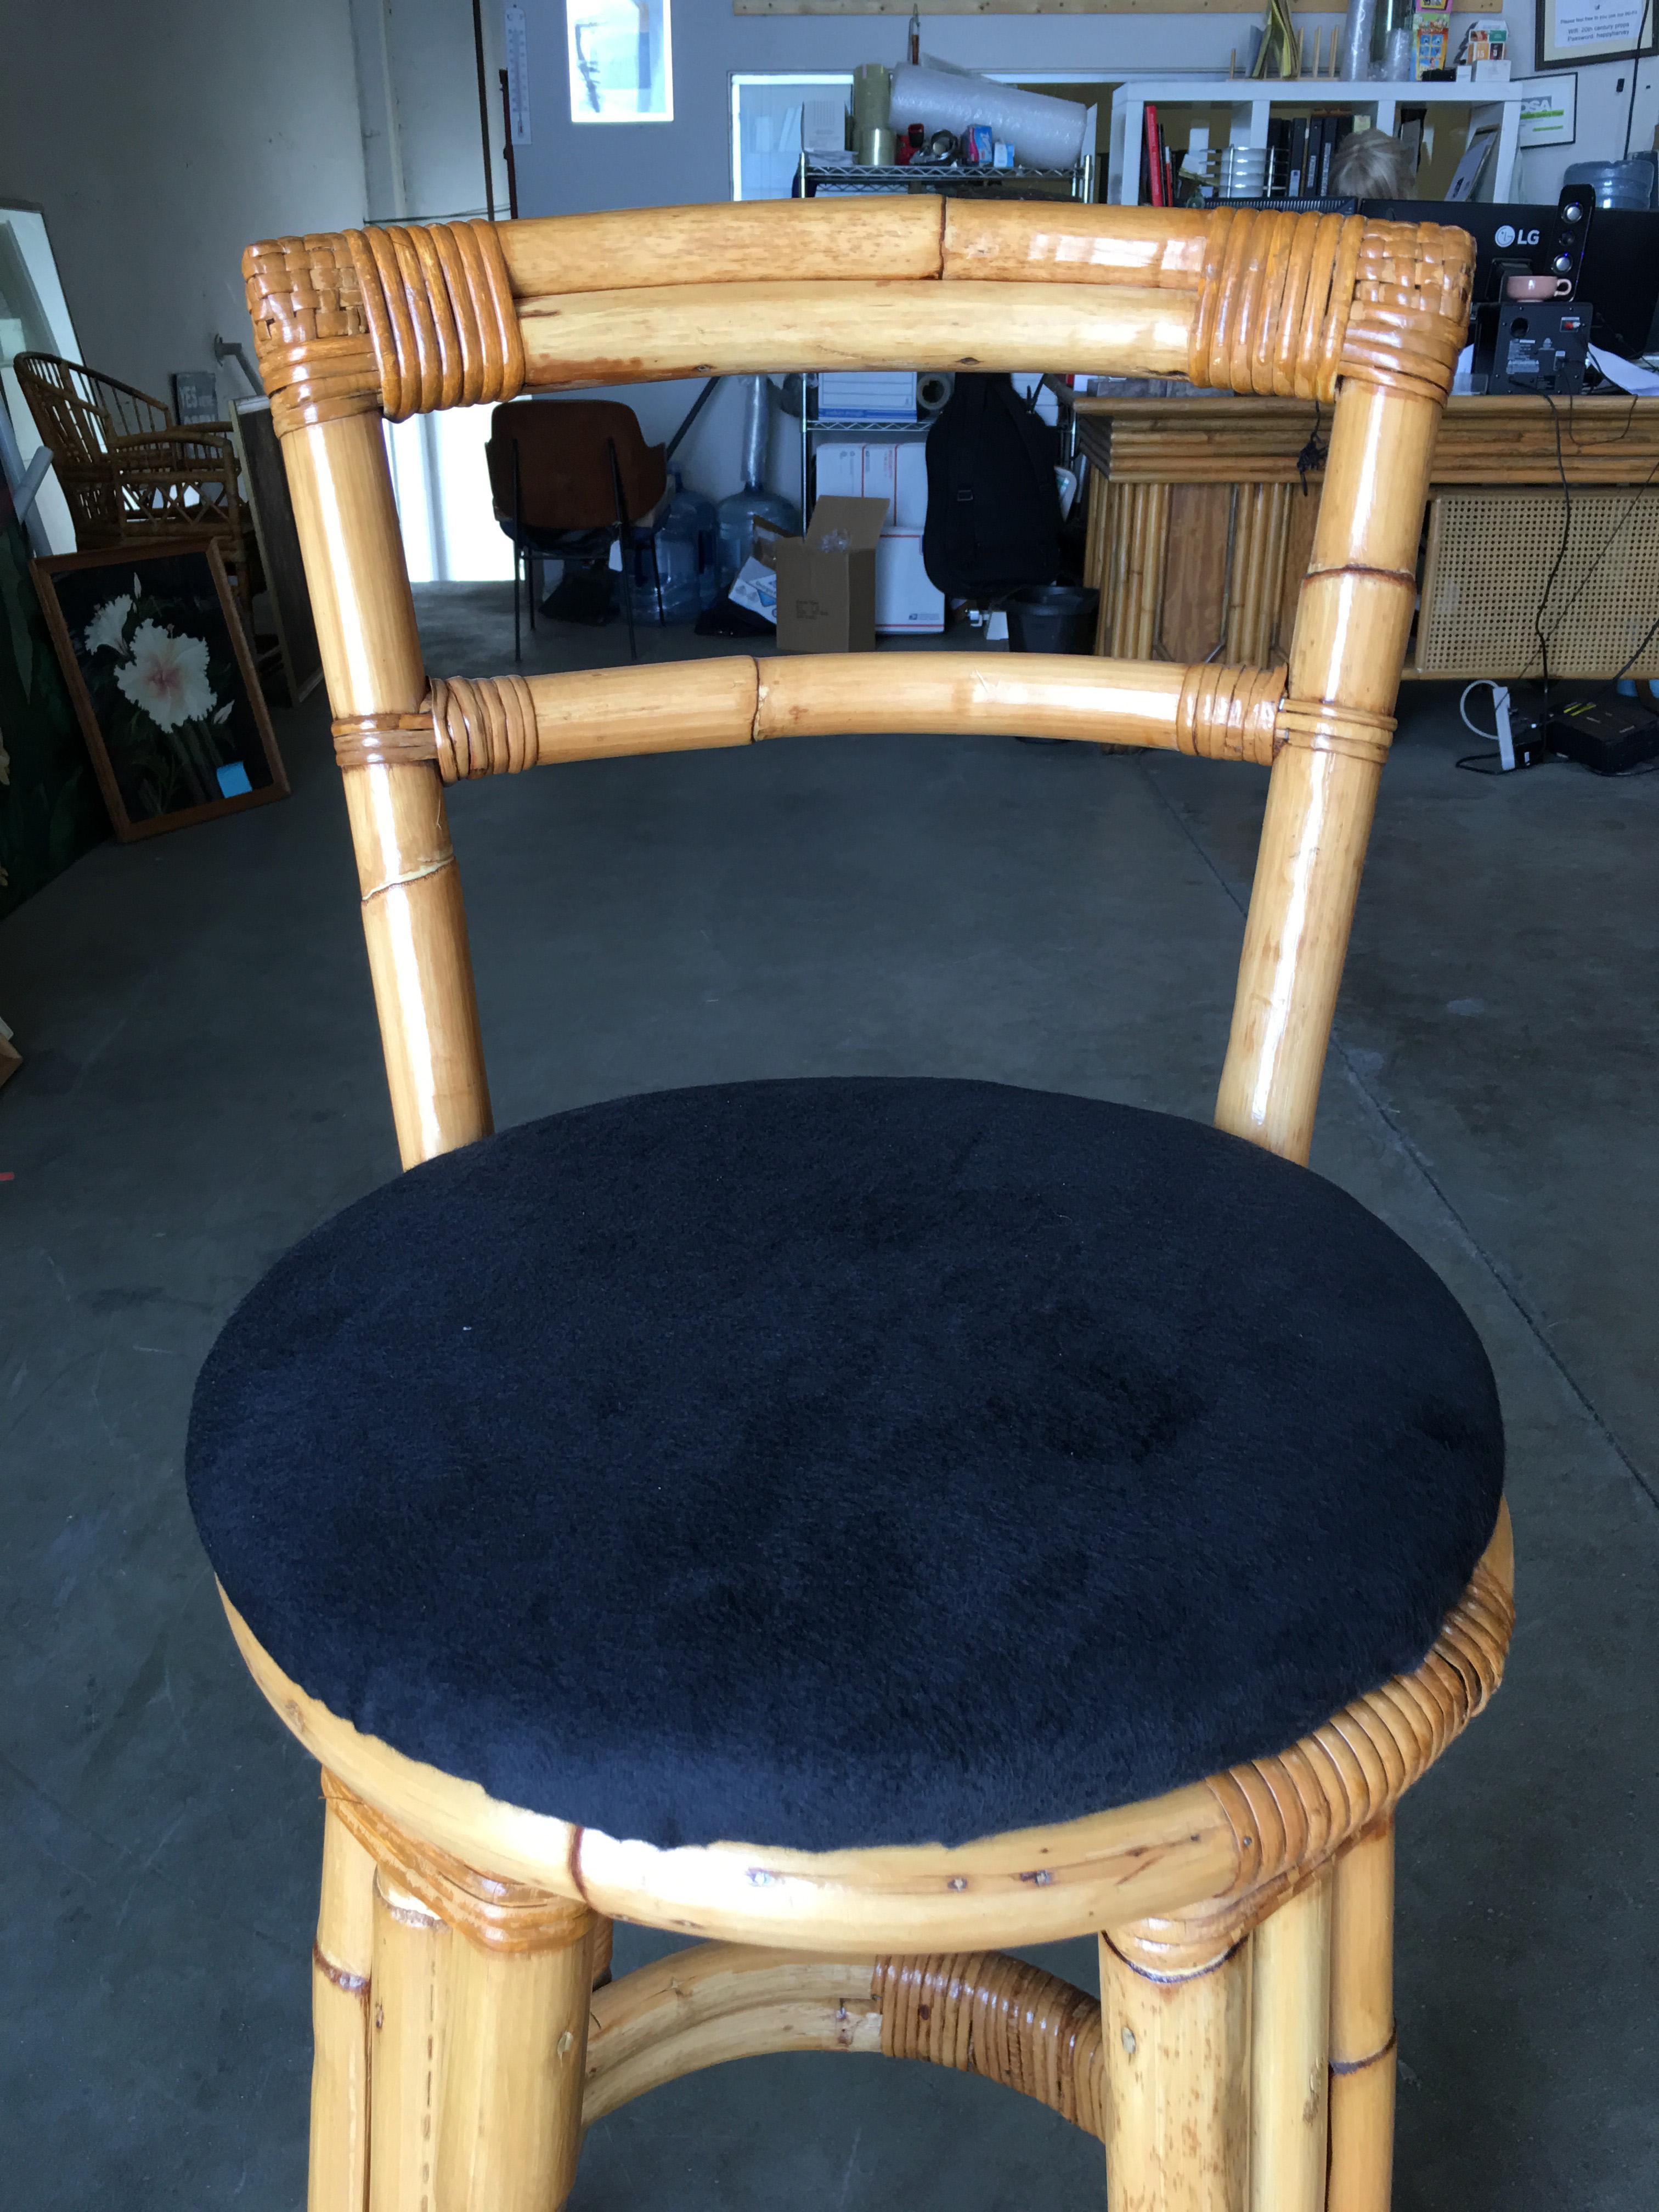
827	593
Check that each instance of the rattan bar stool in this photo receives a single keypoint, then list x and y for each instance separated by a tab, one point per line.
1015	1516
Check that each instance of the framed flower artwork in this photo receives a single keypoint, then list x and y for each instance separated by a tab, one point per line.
163	684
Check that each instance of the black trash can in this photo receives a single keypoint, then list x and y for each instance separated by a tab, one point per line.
1052	618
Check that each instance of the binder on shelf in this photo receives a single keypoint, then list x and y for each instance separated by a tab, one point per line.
1154	157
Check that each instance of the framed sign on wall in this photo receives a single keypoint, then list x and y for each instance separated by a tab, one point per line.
1549	111
1573	31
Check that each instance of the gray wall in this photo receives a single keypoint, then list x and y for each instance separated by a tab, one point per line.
571	169
161	136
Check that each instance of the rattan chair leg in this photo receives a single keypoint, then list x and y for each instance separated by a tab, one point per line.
1289	2052
1177	2050
340	1966
1362	2025
511	2116
407	2036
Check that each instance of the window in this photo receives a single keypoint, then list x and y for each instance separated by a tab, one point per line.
767	113
622	67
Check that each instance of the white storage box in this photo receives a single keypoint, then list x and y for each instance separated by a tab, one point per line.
905	599
867	395
910	486
889	470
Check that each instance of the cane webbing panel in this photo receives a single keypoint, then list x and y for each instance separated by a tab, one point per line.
1489	560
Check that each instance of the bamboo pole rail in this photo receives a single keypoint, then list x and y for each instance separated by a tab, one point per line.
466	2029
487	726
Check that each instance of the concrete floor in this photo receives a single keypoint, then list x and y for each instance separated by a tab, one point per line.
203	1086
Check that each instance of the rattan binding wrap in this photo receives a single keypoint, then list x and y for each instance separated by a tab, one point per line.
1230	713
497	1915
986	2013
483	725
384	741
1293	1811
1290	303
1325	729
401	321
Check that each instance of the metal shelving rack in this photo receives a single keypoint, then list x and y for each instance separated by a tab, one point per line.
852	179
852	430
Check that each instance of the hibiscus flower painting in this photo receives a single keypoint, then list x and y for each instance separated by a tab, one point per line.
165	686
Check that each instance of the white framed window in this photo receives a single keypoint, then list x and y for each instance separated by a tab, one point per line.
621	60
767	112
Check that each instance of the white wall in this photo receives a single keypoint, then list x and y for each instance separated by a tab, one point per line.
161	136
1604	97
423	157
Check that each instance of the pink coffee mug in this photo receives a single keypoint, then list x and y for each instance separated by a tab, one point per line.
1538	288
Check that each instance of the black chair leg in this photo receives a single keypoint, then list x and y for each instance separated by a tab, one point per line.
623	548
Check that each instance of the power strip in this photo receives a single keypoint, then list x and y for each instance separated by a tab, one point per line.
1523	727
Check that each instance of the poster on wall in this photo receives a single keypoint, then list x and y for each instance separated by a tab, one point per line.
1573	31
621	61
1549	111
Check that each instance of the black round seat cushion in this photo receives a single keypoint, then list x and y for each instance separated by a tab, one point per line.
845	1462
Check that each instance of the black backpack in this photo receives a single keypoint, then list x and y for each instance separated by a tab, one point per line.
992	506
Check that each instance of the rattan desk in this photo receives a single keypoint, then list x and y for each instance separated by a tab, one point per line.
1200	519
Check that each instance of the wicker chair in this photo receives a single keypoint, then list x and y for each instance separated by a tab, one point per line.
131	474
842	1465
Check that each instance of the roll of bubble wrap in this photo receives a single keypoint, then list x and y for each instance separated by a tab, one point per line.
1044	133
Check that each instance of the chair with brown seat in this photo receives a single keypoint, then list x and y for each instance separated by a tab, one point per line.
860	1523
131	474
572	477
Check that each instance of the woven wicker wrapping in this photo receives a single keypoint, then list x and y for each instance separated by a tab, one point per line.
401	321
987	2014
1290	303
1230	713
484	726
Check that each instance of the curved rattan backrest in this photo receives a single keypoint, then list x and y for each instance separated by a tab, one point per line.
445	314
79	411
355	325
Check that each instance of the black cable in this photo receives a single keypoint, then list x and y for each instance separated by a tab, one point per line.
1647	639
1634	69
1626	517
1560	552
1485	765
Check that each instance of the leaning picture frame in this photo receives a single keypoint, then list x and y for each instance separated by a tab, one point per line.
164	686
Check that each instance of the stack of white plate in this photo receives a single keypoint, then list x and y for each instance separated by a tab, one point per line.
1243	173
